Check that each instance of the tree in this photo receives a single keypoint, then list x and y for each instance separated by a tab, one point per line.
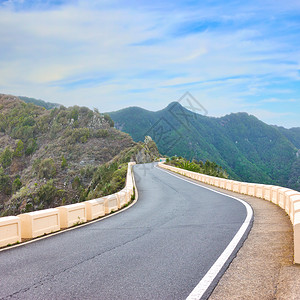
5	184
31	146
17	184
6	158
109	120
20	149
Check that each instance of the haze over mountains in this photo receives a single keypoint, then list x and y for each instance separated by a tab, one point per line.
246	147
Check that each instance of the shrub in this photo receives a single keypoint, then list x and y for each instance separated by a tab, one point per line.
17	184
64	163
76	184
73	114
31	146
47	169
87	171
19	151
23	132
77	135
109	120
5	184
6	157
48	193
101	133
29	207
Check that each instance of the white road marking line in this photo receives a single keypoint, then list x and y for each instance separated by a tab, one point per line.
213	272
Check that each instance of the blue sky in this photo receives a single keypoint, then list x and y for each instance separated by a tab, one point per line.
230	55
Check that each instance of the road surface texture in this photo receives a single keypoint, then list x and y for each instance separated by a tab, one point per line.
158	249
263	268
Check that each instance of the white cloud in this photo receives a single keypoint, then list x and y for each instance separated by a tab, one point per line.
277	100
100	53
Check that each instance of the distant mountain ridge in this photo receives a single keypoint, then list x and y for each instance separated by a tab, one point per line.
246	147
38	102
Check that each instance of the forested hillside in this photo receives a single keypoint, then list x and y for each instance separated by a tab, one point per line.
60	156
247	148
38	102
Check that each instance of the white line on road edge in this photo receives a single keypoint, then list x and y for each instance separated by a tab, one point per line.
213	272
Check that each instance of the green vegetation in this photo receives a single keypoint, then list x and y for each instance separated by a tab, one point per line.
47	105
77	135
61	156
19	151
46	168
6	157
107	180
101	133
132	196
31	146
110	178
47	192
64	163
17	184
109	120
208	168
5	184
247	148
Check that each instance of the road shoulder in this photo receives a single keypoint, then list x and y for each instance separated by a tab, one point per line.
263	267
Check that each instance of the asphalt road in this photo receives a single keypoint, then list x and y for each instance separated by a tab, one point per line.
158	249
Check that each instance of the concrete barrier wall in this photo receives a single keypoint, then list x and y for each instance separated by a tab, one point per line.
10	230
71	215
281	197
123	197
268	192
293	206
244	188
95	208
222	183
274	194
236	186
251	189
287	199
229	185
297	237
112	204
259	191
38	223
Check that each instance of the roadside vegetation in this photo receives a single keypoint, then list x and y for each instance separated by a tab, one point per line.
61	156
207	167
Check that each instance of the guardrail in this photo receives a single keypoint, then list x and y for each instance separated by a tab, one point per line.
38	223
287	199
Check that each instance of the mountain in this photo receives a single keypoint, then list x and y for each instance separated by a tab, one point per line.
246	147
292	134
60	156
38	102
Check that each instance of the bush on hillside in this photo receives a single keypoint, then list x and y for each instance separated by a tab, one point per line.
47	169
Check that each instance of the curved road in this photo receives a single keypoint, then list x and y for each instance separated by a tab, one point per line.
158	249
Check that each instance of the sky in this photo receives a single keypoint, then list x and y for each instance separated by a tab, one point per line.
232	56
